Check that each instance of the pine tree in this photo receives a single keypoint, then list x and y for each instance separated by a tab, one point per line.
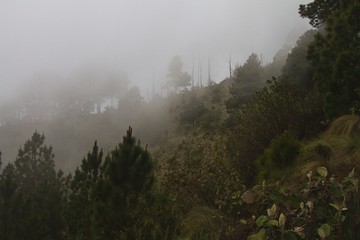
128	179
7	203
297	67
80	213
176	76
33	192
246	81
335	53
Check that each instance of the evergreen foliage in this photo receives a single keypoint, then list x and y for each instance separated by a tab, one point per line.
7	202
193	112
319	11
297	67
108	197
277	108
81	212
177	78
246	81
31	188
205	164
278	156
335	53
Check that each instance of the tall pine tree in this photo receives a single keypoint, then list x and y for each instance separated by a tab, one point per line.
335	53
82	223
32	194
107	197
128	180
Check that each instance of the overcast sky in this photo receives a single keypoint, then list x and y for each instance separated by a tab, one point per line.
137	36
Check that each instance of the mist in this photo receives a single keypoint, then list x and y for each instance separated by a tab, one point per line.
138	38
189	119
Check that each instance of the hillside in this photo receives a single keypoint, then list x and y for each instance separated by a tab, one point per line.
271	152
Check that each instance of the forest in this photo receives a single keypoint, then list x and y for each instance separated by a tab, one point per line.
270	152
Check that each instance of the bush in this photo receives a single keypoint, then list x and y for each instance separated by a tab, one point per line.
279	155
324	207
277	108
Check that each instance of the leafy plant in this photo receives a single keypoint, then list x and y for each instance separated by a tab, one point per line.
324	207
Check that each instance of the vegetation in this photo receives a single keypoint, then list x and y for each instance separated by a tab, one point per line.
278	108
325	208
248	158
30	188
334	54
178	78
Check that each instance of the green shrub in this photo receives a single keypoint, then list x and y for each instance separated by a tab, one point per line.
324	207
279	107
279	155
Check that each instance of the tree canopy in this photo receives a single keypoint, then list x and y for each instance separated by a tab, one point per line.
176	76
335	54
31	189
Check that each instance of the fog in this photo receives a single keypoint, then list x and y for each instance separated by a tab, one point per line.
137	37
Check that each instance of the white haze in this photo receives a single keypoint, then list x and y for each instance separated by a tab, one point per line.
138	37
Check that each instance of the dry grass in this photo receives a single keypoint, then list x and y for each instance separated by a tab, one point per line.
347	125
338	149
